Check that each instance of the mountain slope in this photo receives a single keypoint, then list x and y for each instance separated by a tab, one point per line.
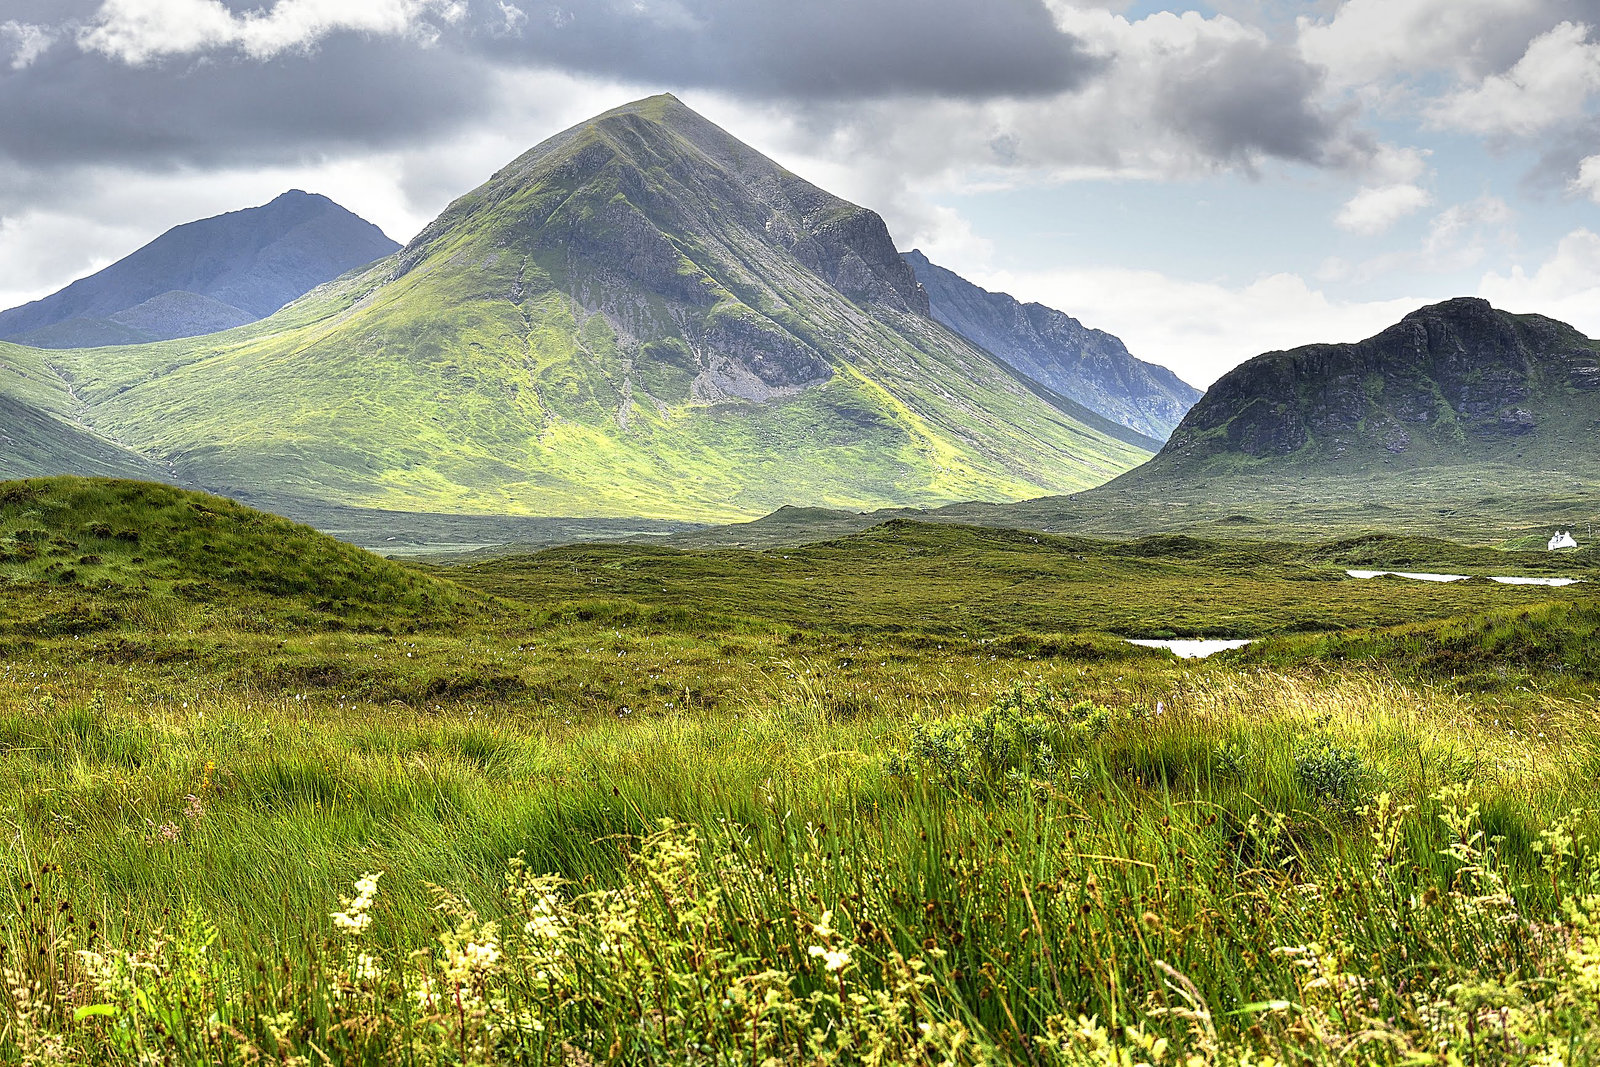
640	316
1454	384
1053	348
205	276
1460	419
38	435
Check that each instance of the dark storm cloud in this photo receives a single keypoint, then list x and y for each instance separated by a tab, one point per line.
814	49
1235	101
71	106
1240	100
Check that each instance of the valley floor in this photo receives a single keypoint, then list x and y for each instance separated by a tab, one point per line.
901	798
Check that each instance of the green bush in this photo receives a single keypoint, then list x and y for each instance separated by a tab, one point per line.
1019	739
1336	777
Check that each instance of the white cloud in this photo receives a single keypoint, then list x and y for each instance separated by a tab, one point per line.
1566	286
1369	40
1177	96
516	19
1587	182
1375	209
1394	165
1460	232
140	31
1458	239
25	41
1201	329
1549	85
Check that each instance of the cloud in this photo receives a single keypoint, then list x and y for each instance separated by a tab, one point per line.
141	31
1369	40
1548	86
1201	329
1457	239
25	41
1460	231
1203	92
1375	209
934	87
1566	286
1175	96
73	108
1587	180
817	50
516	19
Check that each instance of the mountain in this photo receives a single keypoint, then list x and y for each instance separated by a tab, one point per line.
1459	418
1053	348
1454	384
639	317
1460	421
205	276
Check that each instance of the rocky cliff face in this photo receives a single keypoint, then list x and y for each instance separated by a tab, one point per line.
674	231
204	276
1053	348
1454	382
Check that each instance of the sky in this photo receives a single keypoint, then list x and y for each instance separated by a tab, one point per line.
1208	182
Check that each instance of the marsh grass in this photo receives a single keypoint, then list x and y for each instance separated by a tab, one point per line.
1165	877
612	828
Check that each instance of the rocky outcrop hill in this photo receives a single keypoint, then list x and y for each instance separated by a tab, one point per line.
1456	382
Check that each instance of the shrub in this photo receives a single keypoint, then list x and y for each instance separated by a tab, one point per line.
1336	777
1019	739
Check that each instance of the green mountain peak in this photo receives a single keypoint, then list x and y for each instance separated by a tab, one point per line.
639	316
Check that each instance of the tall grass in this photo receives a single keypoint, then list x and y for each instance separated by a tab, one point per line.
750	885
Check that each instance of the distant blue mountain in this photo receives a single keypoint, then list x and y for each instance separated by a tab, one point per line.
204	276
1054	349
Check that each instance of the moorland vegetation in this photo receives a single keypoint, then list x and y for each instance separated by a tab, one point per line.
903	797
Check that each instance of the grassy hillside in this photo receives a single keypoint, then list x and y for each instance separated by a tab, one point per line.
641	317
39	433
977	584
132	560
1560	639
692	808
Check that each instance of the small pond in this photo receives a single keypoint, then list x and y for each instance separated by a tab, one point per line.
1188	648
1423	576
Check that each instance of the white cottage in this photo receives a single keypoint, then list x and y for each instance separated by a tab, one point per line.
1562	539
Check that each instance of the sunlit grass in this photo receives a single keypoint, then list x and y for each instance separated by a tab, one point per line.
619	828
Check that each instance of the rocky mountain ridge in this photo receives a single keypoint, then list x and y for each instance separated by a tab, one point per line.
1453	382
1092	367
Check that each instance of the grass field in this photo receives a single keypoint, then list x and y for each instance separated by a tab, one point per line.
905	797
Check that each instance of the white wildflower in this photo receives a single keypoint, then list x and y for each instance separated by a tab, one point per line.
833	959
355	917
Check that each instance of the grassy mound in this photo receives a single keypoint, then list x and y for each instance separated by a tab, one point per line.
79	555
1489	650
